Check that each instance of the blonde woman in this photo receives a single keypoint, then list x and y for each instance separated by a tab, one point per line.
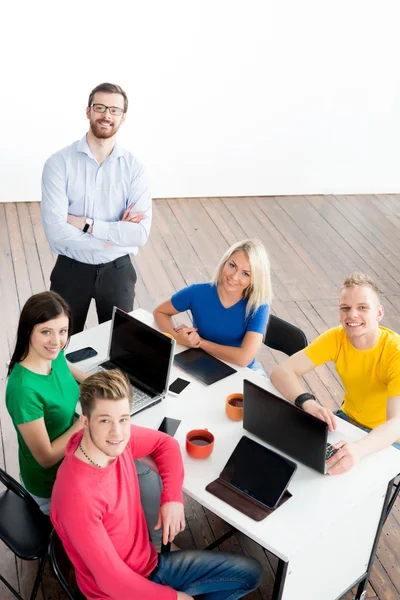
229	313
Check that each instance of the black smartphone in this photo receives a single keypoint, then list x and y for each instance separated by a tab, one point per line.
169	426
81	354
178	386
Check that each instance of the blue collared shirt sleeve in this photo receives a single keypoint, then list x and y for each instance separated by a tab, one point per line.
122	233
55	210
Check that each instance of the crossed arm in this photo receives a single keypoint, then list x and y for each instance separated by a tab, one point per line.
286	379
66	229
188	336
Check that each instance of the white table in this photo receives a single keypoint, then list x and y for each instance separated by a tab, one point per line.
325	536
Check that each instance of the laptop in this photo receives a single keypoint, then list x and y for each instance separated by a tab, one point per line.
144	354
286	427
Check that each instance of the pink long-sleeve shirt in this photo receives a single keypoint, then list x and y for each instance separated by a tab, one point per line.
98	515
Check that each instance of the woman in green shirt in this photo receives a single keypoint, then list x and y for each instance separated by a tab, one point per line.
42	392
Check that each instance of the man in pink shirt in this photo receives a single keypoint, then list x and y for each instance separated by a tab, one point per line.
97	513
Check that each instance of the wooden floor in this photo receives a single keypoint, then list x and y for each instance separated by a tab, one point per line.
313	243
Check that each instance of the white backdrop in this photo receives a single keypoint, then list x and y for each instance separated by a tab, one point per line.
226	97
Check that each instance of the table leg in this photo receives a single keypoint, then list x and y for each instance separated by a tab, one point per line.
361	590
279	580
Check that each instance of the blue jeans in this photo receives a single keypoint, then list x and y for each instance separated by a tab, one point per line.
340	413
150	491
208	575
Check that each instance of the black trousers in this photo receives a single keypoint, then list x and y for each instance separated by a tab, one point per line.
111	284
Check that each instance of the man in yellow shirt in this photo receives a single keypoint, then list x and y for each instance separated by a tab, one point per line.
367	359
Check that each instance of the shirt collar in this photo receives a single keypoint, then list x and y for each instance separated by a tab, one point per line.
84	147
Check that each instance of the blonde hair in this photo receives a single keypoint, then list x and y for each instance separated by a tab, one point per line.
360	279
104	385
259	291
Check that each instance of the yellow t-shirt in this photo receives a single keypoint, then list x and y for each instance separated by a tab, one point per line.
369	376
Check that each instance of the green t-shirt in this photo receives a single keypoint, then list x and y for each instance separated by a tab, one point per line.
30	396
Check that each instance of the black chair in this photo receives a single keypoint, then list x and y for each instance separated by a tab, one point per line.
63	569
283	336
23	528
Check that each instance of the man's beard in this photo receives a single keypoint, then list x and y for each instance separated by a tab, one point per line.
103	134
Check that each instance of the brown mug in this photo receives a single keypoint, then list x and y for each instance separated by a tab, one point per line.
234	406
199	443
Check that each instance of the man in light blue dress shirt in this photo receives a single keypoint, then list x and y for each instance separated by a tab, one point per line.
96	211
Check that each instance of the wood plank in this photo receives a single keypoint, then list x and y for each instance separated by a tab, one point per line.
286	259
200	230
368	220
359	247
283	288
339	218
186	259
30	249
8	570
46	257
163	252
314	233
280	213
341	240
226	223
24	290
9	316
381	583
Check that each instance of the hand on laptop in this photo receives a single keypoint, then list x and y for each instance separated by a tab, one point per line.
172	520
187	336
347	456
315	409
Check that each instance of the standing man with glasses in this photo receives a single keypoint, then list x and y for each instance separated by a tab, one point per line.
96	211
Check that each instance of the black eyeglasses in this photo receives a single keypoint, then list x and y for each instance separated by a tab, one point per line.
101	108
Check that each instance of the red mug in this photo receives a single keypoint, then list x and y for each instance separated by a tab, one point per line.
199	443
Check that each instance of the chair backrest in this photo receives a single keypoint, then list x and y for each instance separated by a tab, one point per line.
283	336
23	526
63	569
11	484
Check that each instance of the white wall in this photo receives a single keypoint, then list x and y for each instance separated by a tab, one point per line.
226	97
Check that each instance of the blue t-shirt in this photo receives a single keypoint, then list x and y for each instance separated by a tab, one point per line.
215	323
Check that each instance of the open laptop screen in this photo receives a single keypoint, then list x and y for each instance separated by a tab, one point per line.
284	426
141	351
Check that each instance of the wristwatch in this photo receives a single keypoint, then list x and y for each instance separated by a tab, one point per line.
302	398
89	223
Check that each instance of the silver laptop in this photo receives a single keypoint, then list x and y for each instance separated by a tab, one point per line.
144	354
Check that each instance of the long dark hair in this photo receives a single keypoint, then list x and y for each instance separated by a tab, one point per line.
38	309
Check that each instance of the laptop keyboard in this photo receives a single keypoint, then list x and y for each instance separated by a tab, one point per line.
140	398
330	451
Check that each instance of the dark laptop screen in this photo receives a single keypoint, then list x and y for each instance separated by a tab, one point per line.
284	426
141	351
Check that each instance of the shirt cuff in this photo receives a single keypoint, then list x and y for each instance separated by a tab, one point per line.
100	229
